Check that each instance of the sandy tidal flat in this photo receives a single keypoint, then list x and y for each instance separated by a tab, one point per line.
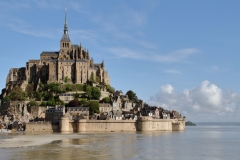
13	141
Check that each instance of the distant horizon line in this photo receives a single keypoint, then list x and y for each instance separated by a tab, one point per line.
217	122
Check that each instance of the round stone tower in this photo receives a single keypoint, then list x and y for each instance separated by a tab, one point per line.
82	125
64	124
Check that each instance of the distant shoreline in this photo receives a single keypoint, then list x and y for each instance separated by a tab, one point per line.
218	123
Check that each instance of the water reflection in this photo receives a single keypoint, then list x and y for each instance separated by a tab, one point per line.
194	143
66	149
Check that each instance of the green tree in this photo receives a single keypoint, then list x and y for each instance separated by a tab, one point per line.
38	96
132	96
79	87
43	104
66	79
17	94
68	87
47	95
93	107
30	90
76	95
51	102
6	99
83	102
96	93
92	77
52	87
88	90
110	89
33	103
106	100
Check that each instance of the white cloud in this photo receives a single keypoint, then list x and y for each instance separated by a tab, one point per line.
83	35
176	56
24	28
167	89
126	53
16	22
207	102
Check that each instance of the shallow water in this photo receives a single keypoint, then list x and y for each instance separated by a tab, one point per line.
199	142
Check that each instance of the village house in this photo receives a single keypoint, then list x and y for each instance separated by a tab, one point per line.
105	107
76	112
54	114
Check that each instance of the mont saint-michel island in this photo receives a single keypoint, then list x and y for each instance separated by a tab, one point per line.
66	91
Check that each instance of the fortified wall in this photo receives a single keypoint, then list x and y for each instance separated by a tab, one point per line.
83	125
41	127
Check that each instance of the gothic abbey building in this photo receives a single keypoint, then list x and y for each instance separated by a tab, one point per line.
71	63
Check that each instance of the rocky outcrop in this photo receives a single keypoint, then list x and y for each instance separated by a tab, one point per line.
189	123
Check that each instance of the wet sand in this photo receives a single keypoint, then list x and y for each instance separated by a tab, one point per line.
25	140
5	131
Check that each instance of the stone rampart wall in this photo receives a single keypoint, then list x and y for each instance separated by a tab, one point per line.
83	125
110	125
178	125
41	127
168	125
73	126
149	124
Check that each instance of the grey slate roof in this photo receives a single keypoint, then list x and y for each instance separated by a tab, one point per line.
34	60
65	38
75	46
49	53
97	64
78	108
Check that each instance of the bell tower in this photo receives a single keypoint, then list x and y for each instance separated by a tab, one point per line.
65	42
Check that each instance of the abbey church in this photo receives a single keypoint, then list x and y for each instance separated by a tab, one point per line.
71	63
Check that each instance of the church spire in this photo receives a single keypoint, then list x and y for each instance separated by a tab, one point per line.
65	24
65	42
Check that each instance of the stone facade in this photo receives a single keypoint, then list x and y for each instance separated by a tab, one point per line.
72	64
105	107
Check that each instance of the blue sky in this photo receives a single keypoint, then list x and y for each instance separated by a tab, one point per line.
181	55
